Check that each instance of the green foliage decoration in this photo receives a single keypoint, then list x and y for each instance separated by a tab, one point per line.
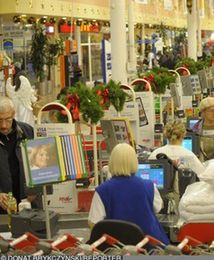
201	64
117	96
44	51
188	63
54	48
92	102
88	103
194	66
159	79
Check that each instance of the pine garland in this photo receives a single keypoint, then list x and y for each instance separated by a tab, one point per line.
188	63
92	102
117	96
88	103
159	79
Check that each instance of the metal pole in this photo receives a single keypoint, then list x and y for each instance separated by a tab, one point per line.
47	220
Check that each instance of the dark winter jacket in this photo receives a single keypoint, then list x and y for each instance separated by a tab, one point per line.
11	166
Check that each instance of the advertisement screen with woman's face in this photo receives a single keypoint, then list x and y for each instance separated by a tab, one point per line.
41	158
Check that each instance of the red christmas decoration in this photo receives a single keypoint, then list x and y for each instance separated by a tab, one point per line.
72	104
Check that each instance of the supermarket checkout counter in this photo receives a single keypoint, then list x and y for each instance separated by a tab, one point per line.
76	224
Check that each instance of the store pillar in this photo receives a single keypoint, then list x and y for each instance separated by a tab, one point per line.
118	41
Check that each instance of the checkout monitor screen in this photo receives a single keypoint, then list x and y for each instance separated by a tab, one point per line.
153	172
192	122
187	143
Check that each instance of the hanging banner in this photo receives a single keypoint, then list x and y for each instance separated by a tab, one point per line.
106	61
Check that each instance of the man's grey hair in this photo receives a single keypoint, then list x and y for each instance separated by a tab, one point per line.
6	105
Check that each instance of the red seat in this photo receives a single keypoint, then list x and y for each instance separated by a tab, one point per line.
203	232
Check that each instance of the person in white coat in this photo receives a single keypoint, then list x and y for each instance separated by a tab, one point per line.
197	203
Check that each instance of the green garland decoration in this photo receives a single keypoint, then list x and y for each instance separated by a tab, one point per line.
188	63
92	102
117	96
159	79
111	94
194	66
88	103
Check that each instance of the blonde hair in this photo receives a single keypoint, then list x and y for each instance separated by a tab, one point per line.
35	150
174	130
123	160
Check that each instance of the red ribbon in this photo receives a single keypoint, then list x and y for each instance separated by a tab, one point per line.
104	94
150	78
73	106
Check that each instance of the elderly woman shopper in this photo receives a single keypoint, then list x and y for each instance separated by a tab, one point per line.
205	128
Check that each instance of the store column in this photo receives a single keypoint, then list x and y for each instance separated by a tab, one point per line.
132	54
118	41
199	42
192	31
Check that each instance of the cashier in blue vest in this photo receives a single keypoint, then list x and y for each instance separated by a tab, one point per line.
126	196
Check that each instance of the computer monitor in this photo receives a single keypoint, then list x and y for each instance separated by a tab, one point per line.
160	172
191	121
188	143
192	142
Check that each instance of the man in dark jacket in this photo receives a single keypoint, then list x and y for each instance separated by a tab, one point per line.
12	177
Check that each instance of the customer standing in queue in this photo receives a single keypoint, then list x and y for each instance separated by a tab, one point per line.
205	128
12	133
182	158
126	196
174	132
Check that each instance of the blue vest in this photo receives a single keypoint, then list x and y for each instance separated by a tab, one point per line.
131	199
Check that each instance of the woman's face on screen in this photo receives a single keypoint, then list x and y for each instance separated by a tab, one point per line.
41	159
